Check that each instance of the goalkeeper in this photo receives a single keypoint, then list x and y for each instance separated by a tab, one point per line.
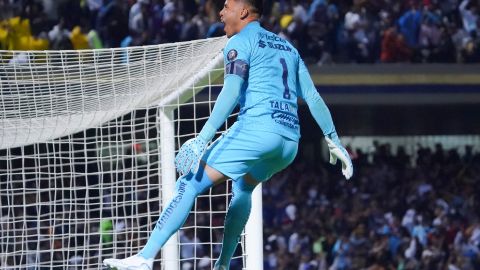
265	75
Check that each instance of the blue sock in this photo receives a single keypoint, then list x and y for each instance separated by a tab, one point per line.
188	187
235	220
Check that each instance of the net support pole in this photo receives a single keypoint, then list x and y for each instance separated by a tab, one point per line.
170	253
254	233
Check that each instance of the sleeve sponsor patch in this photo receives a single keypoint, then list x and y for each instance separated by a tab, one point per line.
237	67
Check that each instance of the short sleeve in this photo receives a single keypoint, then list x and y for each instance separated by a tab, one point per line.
237	57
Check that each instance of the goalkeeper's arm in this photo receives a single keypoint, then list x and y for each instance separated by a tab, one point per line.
191	152
224	105
322	116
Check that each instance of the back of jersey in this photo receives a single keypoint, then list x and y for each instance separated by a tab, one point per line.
269	99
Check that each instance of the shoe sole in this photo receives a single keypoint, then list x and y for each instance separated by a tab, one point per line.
114	265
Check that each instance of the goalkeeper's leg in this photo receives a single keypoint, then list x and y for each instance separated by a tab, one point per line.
175	214
235	220
188	187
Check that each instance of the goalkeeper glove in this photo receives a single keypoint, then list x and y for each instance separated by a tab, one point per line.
337	151
188	157
191	152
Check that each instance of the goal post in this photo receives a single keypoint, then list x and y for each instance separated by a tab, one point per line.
86	155
167	157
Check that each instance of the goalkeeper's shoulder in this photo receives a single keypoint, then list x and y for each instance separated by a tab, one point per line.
240	41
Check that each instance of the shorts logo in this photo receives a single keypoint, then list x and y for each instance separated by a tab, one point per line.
232	55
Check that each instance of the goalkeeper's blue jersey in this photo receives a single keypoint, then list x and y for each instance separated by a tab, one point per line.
269	65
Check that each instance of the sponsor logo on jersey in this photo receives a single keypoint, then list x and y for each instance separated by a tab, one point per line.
279	105
277	46
272	37
272	42
261	44
286	119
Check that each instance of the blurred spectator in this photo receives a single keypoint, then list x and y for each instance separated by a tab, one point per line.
172	26
409	25
471	51
33	11
59	36
140	23
94	7
112	23
94	40
6	10
135	15
469	14
429	36
394	48
79	39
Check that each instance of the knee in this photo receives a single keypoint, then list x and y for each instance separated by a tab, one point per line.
242	185
198	183
242	192
241	201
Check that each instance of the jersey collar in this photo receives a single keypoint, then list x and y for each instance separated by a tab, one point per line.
251	25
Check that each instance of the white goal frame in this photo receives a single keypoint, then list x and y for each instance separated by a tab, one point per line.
167	104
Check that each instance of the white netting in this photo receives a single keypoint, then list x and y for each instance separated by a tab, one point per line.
80	164
50	94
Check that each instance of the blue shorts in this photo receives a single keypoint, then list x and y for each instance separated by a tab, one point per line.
260	153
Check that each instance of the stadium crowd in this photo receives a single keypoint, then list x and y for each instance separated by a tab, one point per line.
324	31
397	213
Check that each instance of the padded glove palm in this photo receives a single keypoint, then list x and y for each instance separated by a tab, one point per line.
188	157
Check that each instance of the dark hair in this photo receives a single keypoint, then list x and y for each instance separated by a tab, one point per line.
257	6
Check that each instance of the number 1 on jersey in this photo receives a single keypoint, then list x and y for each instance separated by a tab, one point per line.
286	93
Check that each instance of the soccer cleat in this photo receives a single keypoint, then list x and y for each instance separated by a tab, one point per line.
135	262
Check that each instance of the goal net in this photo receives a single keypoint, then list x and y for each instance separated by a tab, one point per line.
87	143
